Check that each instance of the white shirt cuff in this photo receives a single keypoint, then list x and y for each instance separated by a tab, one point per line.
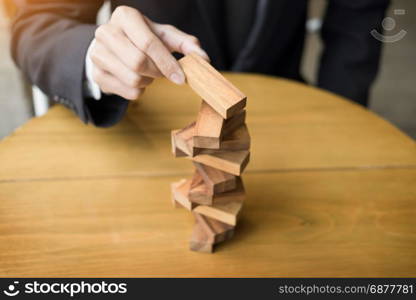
91	88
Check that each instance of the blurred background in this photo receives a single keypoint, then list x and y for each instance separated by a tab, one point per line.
393	96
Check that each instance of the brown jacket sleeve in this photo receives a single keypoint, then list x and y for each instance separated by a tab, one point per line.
49	43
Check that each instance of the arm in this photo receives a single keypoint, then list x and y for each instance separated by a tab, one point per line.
49	43
351	56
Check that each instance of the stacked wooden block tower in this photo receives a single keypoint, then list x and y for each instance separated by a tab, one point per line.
218	144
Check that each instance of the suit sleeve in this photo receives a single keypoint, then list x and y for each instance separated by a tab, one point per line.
351	55
50	40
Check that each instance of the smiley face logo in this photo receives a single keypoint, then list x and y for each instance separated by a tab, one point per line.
389	24
11	290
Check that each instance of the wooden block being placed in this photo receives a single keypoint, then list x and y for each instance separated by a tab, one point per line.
180	191
217	181
182	139
211	86
226	206
209	128
199	192
233	162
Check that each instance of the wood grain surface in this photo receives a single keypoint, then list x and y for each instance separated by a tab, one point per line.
331	191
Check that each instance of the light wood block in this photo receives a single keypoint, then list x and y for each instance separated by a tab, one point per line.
200	240
211	86
234	122
175	203
183	143
209	236
180	191
239	139
226	206
175	150
182	139
217	231
233	162
201	247
207	232
216	180
209	128
200	193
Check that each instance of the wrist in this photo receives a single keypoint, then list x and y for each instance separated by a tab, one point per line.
91	88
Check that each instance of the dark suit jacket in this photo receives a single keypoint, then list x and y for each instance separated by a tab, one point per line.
50	40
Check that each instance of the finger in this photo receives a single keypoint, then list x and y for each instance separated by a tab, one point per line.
144	81
107	61
111	85
177	40
118	43
151	45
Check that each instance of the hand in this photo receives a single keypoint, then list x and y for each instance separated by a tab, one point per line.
130	51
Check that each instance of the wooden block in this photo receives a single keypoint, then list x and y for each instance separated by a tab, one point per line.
180	191
233	162
201	247
199	192
233	136
182	139
216	231
175	150
239	139
211	86
225	235
226	206
234	122
175	203
173	188
209	128
216	180
209	233
183	145
200	240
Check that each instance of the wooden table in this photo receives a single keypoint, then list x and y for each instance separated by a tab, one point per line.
331	191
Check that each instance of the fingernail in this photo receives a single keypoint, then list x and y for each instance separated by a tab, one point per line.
178	78
203	54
